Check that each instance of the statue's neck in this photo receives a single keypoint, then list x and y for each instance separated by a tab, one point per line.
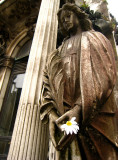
77	32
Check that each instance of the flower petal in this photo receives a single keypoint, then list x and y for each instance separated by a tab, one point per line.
76	127
73	118
75	131
67	131
70	129
73	122
63	127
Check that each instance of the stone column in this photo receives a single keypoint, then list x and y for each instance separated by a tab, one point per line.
30	137
6	64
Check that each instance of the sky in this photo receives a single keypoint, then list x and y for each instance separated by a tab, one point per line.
113	8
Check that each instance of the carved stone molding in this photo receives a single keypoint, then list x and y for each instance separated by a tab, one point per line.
17	15
30	21
31	24
4	37
6	61
22	8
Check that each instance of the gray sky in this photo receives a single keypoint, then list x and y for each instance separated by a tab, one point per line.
113	8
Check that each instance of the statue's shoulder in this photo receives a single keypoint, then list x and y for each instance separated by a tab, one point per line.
94	35
56	53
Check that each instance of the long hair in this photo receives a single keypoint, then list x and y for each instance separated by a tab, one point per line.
85	23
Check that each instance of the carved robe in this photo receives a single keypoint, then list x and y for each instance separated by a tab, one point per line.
98	136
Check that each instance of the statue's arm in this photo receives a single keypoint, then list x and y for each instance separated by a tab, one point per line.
47	99
47	104
48	107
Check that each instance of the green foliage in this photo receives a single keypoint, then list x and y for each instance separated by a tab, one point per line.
84	5
99	21
105	1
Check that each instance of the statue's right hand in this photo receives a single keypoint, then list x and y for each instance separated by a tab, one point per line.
64	140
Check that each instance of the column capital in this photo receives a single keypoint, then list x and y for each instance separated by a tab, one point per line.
6	61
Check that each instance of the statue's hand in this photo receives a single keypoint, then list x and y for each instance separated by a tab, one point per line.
75	112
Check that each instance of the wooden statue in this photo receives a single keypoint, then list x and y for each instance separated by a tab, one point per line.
78	85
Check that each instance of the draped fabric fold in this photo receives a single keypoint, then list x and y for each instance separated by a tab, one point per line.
98	74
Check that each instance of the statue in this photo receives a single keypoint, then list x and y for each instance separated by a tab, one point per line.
78	85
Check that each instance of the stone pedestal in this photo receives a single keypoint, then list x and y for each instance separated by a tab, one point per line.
30	137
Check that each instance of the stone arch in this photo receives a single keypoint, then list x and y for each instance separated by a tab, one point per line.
11	52
17	43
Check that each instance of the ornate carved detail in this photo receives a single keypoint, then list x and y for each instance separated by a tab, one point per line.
22	8
6	61
4	37
16	13
31	24
31	21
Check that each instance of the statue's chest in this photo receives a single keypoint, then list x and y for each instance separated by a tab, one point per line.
70	56
70	47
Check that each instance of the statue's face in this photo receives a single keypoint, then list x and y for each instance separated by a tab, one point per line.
69	20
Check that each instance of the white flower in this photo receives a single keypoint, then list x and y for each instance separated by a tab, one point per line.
70	126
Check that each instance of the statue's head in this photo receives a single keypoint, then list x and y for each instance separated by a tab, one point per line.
70	16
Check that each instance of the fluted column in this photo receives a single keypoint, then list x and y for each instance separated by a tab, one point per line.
6	64
30	137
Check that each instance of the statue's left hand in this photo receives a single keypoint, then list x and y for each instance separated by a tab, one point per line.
75	112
